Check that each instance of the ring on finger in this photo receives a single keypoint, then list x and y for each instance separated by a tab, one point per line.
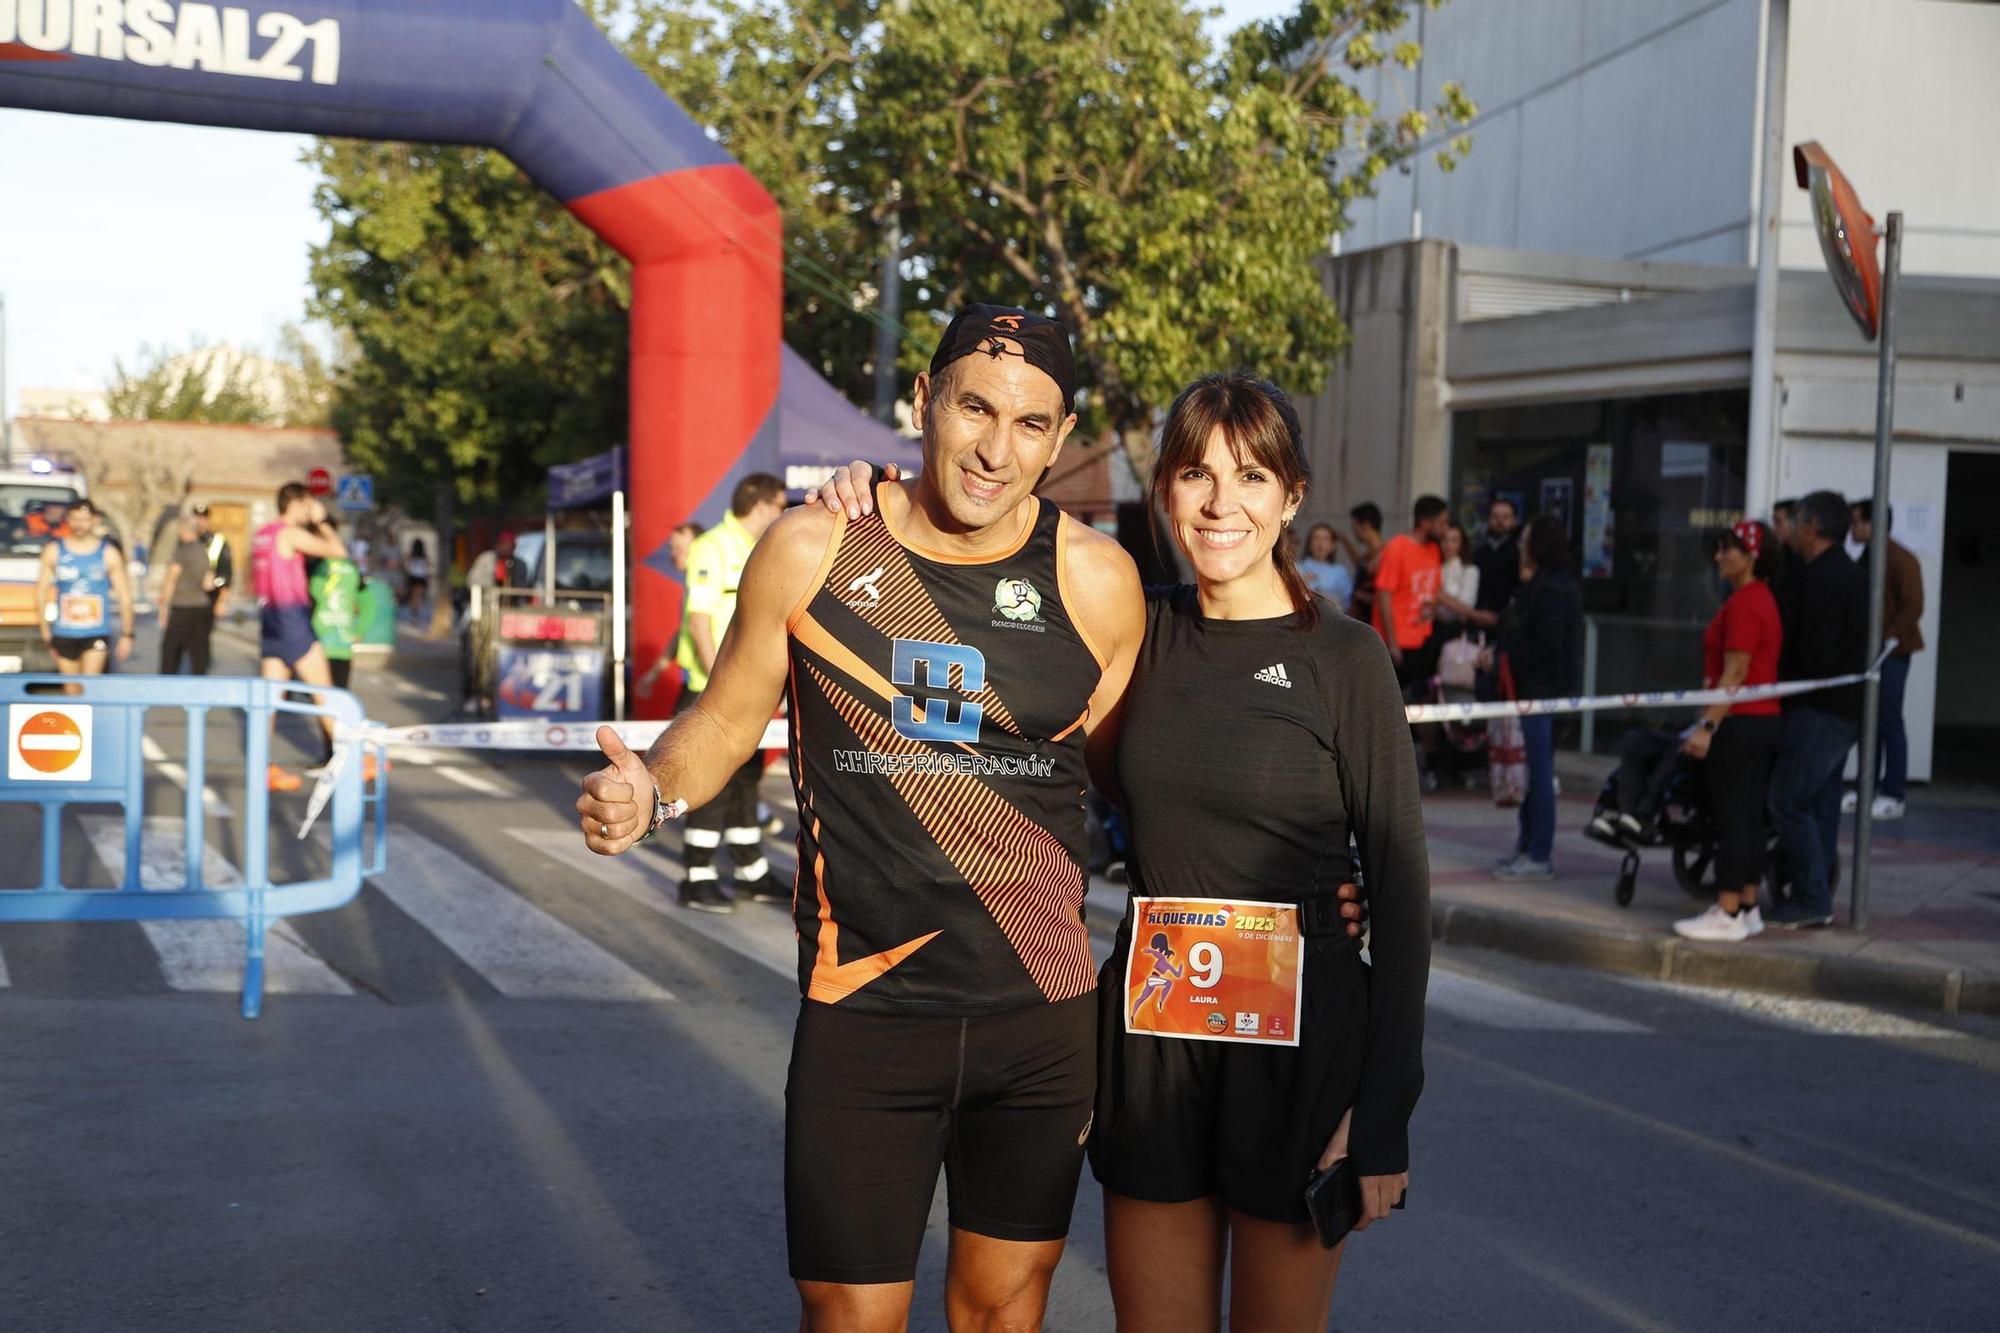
604	830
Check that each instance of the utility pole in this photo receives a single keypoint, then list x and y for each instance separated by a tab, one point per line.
1760	464
887	344
6	414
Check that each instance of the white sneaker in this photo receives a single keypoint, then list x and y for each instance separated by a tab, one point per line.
1850	802
1886	807
1753	921
1714	924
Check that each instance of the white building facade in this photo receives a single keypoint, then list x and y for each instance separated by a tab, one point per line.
1574	327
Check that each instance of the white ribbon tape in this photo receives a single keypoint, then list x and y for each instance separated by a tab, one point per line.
581	737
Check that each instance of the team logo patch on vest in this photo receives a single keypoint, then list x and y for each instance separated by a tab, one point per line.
1019	605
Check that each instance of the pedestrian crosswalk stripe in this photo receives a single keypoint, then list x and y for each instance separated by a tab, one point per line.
1491	1005
651	877
522	950
203	956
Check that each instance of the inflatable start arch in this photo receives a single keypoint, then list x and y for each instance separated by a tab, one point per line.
538	81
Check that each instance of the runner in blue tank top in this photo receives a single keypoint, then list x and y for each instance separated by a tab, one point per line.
79	576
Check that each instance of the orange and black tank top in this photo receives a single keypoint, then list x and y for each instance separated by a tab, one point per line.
938	713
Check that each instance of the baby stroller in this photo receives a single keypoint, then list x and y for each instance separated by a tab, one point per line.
1686	828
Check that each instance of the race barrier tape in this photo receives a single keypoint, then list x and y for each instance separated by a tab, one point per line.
581	737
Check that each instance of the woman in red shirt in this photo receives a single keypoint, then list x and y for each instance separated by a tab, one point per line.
1740	741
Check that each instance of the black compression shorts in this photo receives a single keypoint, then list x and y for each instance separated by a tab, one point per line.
877	1102
1181	1120
71	648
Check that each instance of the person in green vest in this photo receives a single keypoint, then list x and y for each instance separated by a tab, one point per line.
335	586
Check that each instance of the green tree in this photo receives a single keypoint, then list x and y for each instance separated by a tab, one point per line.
1169	198
1167	195
211	385
225	386
486	325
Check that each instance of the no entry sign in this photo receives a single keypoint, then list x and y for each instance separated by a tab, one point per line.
320	482
48	743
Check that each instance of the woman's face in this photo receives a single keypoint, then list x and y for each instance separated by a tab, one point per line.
1319	545
1452	544
1730	562
1226	515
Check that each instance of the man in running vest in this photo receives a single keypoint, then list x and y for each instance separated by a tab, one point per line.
80	573
946	657
715	562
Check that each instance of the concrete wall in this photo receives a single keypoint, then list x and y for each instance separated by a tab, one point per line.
1380	431
1608	128
1904	94
1622	129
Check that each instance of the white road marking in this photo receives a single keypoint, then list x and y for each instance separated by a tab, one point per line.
4	983
515	945
206	955
413	690
1477	1000
1830	1018
650	876
156	755
470	781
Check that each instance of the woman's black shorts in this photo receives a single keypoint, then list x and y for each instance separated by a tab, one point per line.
1180	1120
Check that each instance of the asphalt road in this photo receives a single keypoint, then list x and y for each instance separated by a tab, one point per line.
511	1087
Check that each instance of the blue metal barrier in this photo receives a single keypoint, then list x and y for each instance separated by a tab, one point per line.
66	749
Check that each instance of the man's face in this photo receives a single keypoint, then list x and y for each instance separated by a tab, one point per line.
1364	533
202	526
82	521
1858	527
1500	518
1433	527
677	548
1781	524
992	426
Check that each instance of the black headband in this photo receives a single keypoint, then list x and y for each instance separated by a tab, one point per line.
988	329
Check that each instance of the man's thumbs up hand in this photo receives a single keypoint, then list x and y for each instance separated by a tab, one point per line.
617	800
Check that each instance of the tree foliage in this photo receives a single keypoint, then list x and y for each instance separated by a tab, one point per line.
1167	194
225	386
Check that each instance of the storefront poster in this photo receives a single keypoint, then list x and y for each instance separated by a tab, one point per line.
1598	558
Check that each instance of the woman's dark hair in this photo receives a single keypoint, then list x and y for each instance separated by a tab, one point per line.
1260	423
1547	543
1315	530
1765	564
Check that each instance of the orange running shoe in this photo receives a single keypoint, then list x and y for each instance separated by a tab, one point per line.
368	769
280	779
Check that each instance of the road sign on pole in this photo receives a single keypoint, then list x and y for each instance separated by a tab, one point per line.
320	482
1847	240
356	493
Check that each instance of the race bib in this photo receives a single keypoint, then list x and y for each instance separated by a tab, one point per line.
1215	969
82	609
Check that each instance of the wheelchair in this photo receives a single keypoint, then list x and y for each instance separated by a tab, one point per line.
1686	829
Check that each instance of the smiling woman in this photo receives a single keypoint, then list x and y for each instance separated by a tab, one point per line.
1230	480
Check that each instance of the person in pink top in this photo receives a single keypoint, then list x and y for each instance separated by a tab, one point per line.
286	643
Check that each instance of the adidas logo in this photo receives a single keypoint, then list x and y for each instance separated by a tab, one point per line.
1275	675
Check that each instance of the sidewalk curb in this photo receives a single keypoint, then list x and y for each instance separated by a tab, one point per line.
1633	954
1668	958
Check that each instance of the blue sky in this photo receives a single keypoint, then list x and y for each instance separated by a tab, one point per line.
116	235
